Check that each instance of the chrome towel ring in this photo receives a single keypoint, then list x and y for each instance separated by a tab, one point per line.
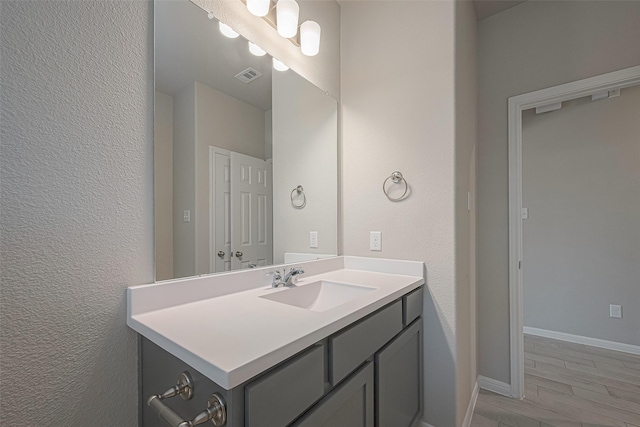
396	178
296	194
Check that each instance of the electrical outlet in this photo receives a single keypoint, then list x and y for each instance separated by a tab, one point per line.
615	311
375	241
186	216
313	239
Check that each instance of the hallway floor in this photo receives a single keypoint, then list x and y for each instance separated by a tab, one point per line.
568	385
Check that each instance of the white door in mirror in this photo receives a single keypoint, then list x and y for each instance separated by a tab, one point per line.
251	207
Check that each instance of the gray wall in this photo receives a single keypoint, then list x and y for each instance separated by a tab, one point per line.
531	46
77	208
163	184
399	113
184	182
581	184
465	141
305	152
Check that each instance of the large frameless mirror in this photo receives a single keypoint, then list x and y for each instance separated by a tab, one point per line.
245	155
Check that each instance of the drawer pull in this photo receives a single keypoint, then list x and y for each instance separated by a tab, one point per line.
216	409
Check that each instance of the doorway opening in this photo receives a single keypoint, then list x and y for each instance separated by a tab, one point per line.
538	99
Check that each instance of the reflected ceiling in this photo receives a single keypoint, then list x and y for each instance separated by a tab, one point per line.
199	52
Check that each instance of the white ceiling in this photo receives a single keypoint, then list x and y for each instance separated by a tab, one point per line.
486	8
189	47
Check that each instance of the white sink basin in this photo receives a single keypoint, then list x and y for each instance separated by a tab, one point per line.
318	296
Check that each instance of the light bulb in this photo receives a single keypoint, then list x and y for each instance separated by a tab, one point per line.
279	65
310	38
256	50
287	18
227	31
259	7
210	15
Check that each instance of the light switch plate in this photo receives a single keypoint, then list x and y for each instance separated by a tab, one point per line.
313	239
187	216
375	241
615	311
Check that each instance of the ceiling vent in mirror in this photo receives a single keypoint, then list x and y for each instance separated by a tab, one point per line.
248	75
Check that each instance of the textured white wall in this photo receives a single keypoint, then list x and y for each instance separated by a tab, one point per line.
305	152
534	45
77	208
581	183
399	113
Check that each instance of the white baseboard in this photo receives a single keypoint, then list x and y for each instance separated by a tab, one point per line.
494	385
472	406
578	339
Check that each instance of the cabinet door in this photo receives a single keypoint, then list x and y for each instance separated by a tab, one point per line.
399	379
349	405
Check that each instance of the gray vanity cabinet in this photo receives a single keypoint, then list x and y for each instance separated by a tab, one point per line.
368	374
351	404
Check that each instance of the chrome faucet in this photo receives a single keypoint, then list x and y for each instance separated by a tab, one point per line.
290	279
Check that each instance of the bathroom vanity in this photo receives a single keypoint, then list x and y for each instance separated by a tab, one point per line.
341	348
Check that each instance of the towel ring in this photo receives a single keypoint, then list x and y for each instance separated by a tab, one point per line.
397	178
298	190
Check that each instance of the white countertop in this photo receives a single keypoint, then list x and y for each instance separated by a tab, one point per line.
220	326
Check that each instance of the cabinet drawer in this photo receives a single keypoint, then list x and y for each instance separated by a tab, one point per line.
280	396
350	348
412	306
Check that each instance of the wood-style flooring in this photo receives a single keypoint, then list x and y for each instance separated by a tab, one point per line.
568	385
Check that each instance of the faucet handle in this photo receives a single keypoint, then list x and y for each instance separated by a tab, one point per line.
277	278
292	276
275	274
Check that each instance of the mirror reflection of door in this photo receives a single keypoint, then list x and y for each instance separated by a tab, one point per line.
240	213
251	194
220	210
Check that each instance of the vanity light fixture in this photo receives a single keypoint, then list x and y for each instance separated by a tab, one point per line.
256	50
227	31
279	65
259	7
287	12
284	18
310	38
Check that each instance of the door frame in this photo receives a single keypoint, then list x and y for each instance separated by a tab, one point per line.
517	104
